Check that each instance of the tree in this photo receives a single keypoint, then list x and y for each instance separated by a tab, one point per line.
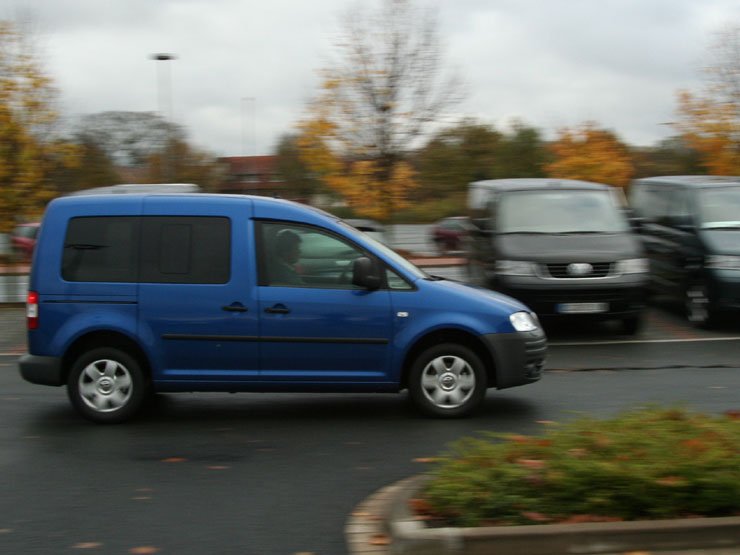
147	142
94	168
129	138
375	104
522	153
671	156
29	147
590	154
181	162
300	181
455	157
710	121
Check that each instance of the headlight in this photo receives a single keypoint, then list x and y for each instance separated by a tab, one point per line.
722	262
633	266
514	268
524	321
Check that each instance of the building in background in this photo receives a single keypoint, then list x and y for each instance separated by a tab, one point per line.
252	175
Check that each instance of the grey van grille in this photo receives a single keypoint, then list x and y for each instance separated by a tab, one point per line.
598	270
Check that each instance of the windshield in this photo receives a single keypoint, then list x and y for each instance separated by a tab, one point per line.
720	207
389	253
570	211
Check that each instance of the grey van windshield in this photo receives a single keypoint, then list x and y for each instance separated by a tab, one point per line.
564	211
719	208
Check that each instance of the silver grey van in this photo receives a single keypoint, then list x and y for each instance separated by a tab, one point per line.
562	247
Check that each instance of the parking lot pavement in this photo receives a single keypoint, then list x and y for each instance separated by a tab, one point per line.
12	331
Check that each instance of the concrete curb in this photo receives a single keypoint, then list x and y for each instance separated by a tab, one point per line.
382	524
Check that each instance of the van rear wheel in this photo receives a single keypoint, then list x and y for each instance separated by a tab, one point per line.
107	385
447	380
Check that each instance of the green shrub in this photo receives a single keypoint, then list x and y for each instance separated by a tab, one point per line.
645	464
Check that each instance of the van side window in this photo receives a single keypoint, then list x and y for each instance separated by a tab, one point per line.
101	249
294	255
650	202
678	207
152	249
185	249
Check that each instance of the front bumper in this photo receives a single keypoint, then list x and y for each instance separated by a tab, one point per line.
547	299
41	370
724	289
519	357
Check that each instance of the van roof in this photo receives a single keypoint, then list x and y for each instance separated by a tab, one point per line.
135	198
534	183
693	180
134	188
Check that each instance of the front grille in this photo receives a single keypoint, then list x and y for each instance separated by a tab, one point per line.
598	270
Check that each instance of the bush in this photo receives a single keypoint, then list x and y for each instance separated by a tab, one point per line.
647	464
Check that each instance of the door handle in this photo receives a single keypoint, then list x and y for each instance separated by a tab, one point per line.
278	309
235	307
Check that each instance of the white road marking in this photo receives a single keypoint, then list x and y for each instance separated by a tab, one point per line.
638	341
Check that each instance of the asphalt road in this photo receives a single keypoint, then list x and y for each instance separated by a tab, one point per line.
279	474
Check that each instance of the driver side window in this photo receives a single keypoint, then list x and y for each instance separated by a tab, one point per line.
293	255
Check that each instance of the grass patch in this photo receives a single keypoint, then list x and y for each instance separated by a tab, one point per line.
655	463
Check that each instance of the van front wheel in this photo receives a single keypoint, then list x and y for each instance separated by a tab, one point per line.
107	385
447	380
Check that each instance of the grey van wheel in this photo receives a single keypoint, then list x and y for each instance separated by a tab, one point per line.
107	385
698	308
447	380
631	325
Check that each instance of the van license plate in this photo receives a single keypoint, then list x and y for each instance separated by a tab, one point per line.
582	308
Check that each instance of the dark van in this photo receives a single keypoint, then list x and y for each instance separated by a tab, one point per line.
691	229
562	247
133	294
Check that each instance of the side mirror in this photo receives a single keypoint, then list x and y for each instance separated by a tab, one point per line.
366	274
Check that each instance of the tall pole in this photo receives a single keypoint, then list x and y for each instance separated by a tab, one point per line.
164	102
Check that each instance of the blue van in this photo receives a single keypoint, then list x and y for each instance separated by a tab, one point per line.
142	293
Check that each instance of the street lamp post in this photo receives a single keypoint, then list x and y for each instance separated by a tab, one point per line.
164	94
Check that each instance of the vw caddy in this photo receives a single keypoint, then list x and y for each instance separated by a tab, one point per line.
135	294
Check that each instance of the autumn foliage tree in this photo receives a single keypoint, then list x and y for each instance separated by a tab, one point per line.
374	105
710	121
590	154
29	149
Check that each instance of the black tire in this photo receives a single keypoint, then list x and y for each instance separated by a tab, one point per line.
107	385
631	324
447	381
698	306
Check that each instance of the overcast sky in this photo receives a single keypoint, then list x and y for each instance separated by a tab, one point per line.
245	68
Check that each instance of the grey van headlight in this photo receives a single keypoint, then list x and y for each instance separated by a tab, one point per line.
722	262
524	321
515	268
633	266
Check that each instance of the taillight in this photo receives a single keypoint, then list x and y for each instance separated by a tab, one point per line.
32	310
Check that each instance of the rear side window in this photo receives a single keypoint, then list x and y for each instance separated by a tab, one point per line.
185	250
101	249
150	249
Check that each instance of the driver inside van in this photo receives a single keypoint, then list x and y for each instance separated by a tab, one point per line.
287	253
